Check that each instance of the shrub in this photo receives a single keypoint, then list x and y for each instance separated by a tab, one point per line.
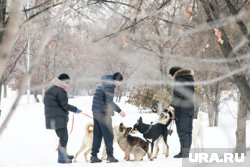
149	97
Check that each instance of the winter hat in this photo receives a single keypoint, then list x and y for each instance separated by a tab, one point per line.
117	76
64	76
173	70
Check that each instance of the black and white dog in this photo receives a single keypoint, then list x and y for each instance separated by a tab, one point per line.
152	132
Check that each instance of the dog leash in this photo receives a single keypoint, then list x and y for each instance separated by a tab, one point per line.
86	115
72	127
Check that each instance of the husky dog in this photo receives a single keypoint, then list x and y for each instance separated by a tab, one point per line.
165	117
131	144
198	133
153	132
88	139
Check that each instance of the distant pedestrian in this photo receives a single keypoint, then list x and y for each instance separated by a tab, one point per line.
103	108
183	106
56	113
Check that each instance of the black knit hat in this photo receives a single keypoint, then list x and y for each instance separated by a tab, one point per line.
64	76
117	76
173	70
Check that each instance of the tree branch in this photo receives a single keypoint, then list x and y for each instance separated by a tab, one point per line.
239	22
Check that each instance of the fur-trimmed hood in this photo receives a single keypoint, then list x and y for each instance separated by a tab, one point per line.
183	72
57	82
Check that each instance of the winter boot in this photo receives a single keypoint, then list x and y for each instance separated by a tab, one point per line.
178	155
185	152
62	155
111	159
70	156
95	159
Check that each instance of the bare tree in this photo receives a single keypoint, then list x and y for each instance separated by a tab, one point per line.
241	126
212	11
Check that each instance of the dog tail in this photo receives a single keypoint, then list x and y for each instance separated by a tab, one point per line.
89	128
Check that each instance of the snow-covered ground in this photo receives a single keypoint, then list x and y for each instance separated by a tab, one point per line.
26	142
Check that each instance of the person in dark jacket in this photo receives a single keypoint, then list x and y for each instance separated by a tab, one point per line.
56	113
103	108
183	107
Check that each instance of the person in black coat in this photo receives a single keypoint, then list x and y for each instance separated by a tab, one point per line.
56	113
183	107
103	108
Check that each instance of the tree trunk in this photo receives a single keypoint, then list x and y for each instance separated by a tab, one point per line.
211	9
240	23
118	94
1	85
3	4
5	89
35	93
216	115
216	104
210	115
2	25
241	127
0	93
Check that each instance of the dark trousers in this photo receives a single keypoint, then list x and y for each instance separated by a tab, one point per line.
63	136
102	129
184	125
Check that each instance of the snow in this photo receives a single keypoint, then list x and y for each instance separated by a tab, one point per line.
26	143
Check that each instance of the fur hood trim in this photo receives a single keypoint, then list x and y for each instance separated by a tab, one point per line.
183	72
57	82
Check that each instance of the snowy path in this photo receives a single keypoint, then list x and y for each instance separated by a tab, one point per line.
26	142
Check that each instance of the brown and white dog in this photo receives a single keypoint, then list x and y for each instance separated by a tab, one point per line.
88	140
131	144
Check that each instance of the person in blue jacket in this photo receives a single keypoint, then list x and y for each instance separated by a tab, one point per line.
57	113
103	108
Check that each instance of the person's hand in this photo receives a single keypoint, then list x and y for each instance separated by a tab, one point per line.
78	111
122	114
171	109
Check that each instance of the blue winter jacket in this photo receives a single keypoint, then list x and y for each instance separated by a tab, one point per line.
103	97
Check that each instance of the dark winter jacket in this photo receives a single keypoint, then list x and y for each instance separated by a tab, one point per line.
183	94
56	107
103	97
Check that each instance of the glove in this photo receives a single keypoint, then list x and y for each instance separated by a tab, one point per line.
78	111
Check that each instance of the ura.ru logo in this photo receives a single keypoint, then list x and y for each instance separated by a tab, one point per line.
215	157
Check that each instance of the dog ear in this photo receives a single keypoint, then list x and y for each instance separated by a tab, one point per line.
121	127
129	129
170	114
140	119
